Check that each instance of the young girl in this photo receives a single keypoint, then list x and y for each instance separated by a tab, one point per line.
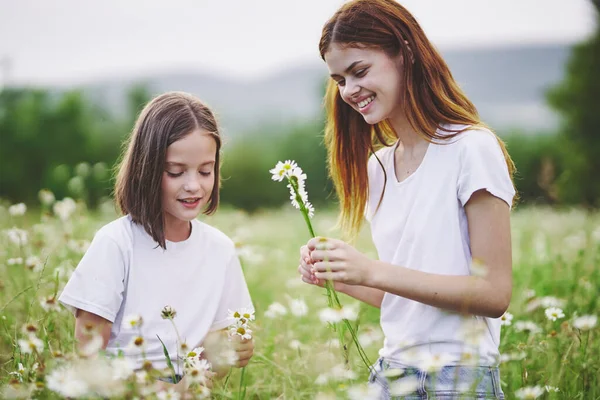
437	195
158	254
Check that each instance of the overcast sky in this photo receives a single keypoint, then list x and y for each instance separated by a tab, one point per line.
69	41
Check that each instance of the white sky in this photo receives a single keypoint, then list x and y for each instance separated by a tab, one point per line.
69	41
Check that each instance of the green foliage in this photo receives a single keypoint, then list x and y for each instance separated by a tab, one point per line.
247	161
556	253
539	160
577	99
60	142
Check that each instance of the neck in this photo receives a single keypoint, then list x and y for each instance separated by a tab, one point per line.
177	231
409	138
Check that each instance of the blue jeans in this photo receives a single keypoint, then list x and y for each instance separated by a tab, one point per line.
449	383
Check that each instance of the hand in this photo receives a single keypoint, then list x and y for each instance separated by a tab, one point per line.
244	349
337	260
307	273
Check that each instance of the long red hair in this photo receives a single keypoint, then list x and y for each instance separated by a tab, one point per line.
432	98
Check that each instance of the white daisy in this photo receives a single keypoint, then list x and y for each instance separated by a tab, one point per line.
585	322
31	344
170	394
275	310
241	331
17	210
17	236
554	313
435	362
404	386
197	371
529	392
46	197
364	392
298	307
50	304
527	326
506	319
133	321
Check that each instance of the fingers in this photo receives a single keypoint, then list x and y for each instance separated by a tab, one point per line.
339	276
326	255
328	266
240	344
307	275
244	356
244	352
321	243
304	252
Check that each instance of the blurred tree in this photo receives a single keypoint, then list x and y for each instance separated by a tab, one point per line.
577	98
60	141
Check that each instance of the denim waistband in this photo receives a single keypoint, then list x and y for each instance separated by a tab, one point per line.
445	383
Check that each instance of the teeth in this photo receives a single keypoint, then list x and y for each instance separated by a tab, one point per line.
365	102
189	200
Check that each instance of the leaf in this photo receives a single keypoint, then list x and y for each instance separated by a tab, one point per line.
169	363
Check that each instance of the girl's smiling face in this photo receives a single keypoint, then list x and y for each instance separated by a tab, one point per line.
188	178
368	80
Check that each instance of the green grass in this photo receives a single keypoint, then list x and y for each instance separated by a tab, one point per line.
556	253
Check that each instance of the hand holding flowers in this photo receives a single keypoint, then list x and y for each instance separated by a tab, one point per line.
336	260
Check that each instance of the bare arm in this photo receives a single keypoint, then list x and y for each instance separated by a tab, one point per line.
486	295
87	324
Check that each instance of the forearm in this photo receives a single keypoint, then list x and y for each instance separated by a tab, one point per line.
465	294
369	295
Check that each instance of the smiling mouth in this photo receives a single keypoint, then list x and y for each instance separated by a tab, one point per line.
365	102
191	200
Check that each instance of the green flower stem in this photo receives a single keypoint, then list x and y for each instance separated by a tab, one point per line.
242	389
178	341
332	296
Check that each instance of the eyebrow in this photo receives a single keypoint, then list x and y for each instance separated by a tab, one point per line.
349	68
178	164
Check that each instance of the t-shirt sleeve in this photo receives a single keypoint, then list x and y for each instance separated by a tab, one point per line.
235	294
97	284
483	166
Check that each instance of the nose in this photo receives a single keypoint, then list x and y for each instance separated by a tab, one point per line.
351	90
192	184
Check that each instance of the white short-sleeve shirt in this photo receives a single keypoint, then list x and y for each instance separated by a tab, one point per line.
421	224
125	272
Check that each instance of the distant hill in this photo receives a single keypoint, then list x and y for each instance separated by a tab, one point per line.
506	84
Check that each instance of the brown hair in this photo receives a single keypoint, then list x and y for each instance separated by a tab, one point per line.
164	120
432	98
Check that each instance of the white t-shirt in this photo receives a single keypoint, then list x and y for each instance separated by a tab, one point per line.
421	224
125	272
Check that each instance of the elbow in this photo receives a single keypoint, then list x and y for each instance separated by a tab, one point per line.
497	308
497	311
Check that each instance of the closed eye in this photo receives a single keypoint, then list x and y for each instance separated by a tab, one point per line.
174	175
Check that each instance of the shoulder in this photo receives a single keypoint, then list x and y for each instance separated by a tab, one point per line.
216	239
118	230
472	137
119	233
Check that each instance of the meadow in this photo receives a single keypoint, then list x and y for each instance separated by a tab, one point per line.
550	336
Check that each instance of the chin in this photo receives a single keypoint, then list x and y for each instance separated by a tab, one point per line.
372	119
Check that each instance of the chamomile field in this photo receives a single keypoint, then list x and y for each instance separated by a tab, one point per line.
550	336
